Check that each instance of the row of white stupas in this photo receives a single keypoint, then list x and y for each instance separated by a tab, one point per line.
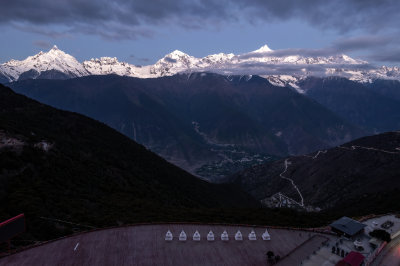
224	236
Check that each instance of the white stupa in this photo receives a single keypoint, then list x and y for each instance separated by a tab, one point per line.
196	236
358	244
182	236
224	236
266	236
239	236
210	236
169	236
252	235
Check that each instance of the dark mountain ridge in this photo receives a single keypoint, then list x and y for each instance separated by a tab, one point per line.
63	165
361	176
374	106
201	121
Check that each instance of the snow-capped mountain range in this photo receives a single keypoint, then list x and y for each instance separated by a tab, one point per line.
279	70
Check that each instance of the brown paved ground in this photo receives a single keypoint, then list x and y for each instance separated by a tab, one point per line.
303	251
324	257
145	245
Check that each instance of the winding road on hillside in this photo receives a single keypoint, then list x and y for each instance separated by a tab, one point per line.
351	148
287	163
316	156
354	147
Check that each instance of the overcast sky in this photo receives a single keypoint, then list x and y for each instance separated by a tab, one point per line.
141	32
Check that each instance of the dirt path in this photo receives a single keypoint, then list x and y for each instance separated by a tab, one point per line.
287	163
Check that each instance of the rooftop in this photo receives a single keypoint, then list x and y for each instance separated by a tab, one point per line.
377	222
354	259
347	225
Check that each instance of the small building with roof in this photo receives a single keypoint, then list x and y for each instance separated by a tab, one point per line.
347	227
352	259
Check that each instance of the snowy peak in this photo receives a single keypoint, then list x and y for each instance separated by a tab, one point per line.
103	61
263	49
53	60
54	54
176	54
177	57
174	63
108	65
217	60
54	50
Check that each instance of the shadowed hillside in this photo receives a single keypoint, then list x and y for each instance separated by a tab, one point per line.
359	177
208	124
63	165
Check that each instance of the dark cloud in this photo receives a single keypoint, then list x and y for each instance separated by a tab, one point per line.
42	44
289	52
116	19
290	69
377	20
365	42
344	15
113	31
378	48
144	59
121	19
55	34
387	56
139	59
